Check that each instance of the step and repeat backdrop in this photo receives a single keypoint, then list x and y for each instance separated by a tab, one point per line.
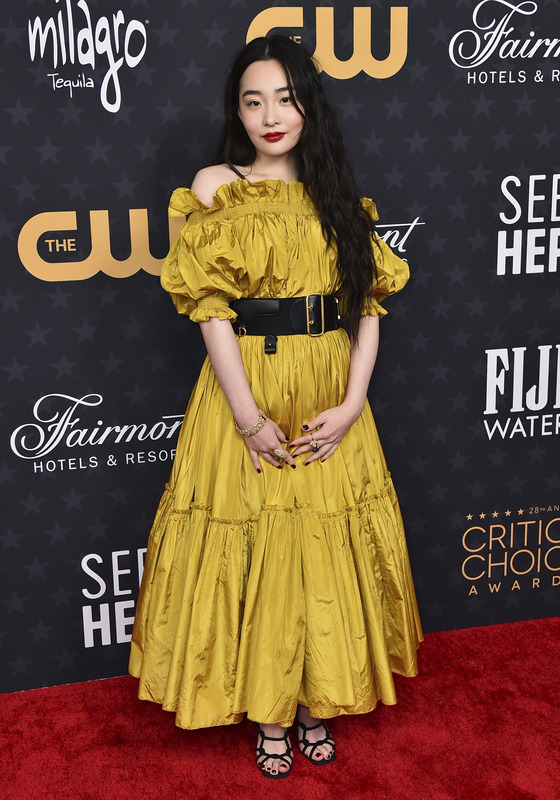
450	112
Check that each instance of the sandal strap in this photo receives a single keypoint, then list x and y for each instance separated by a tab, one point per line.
314	747
311	727
303	740
263	755
283	738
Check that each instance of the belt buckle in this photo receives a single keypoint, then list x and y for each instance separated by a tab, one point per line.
309	318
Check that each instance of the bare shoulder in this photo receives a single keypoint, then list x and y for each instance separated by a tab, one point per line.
208	180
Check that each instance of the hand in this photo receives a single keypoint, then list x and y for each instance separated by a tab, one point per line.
265	442
327	430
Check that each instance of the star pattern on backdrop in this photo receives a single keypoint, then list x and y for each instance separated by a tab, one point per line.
427	145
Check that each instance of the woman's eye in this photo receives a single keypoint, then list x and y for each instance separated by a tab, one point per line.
287	99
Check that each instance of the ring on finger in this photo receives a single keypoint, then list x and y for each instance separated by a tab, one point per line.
280	453
314	444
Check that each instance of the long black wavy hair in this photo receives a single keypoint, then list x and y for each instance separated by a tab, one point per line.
321	160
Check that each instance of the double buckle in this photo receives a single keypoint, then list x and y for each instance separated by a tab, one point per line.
309	318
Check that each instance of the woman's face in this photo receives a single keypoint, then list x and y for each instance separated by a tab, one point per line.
269	116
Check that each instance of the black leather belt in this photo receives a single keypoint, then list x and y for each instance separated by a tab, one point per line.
313	314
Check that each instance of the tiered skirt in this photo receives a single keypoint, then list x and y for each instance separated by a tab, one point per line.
262	591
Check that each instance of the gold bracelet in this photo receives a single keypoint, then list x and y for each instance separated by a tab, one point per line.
259	425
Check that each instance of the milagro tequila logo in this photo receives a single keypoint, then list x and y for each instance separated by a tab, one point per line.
71	36
493	38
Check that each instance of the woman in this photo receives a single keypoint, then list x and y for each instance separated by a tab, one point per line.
277	581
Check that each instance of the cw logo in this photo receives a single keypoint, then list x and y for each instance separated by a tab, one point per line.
362	58
100	258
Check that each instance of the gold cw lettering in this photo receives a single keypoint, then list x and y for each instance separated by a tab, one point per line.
362	58
100	258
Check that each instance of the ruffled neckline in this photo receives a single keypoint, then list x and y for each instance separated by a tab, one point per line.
185	201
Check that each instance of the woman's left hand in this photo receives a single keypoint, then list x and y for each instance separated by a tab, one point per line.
326	431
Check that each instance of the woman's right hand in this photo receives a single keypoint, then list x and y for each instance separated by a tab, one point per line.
225	357
265	442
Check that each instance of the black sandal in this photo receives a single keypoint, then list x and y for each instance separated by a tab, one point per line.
309	748
263	756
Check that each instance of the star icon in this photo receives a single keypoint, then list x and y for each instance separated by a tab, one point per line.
350	108
170	112
215	35
192	73
16	372
19	113
48	152
166	35
373	143
37	335
395	107
98	150
439	107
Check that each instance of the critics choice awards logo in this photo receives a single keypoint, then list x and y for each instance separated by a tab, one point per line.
72	39
494	40
514	550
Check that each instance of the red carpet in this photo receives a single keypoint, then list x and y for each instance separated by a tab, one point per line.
479	723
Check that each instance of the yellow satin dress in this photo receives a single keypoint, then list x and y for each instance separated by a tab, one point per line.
264	590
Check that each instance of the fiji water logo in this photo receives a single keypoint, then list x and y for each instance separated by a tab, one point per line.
493	35
71	36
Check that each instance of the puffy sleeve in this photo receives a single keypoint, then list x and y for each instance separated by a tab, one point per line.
392	271
203	269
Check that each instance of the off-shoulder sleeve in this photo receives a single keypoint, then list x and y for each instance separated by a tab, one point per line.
392	271
203	268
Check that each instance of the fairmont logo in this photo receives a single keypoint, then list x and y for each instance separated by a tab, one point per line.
71	36
57	423
493	36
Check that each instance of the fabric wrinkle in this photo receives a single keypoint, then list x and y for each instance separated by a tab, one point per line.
264	590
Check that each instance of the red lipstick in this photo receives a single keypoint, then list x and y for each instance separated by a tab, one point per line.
273	137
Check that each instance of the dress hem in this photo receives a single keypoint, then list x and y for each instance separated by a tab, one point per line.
317	711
